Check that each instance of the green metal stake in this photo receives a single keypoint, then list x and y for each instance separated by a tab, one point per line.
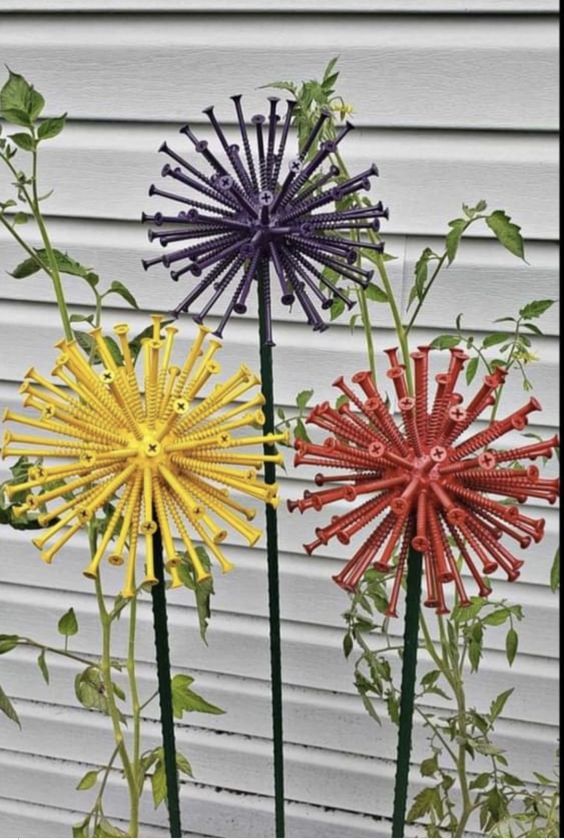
160	622
408	677
272	558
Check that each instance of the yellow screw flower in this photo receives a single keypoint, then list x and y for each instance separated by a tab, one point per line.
161	452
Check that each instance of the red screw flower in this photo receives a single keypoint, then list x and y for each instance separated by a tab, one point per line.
422	488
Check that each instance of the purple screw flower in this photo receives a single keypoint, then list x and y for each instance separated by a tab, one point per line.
247	215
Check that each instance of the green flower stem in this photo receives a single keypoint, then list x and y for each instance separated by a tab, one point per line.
130	666
400	330
106	668
55	275
426	291
23	244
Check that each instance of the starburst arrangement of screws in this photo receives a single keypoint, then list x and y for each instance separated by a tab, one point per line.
163	453
433	493
260	216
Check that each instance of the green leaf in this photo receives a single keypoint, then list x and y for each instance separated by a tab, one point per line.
303	398
90	690
23	218
497	617
68	625
158	784
429	766
498	704
183	764
374	292
51	127
443	342
88	780
452	241
25	268
555	571
23	141
186	700
421	273
480	781
535	308
7	708
42	664
337	308
422	804
118	288
300	431
369	706
81	829
495	338
20	103
506	232
347	645
8	643
511	645
106	829
472	369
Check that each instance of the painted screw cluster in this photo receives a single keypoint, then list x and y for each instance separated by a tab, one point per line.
160	451
418	486
247	214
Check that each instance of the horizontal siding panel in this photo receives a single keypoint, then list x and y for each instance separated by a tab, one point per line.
114	250
35	327
238	646
324	720
104	171
239	764
206	810
426	71
287	6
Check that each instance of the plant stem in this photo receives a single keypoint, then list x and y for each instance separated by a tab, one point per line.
106	668
424	294
55	275
27	248
130	666
400	330
59	651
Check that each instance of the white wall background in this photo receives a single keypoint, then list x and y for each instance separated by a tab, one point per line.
456	101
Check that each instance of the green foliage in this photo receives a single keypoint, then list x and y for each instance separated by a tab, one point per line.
203	590
296	423
186	700
68	624
7	707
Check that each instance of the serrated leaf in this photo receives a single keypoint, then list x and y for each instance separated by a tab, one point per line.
118	288
20	103
369	706
535	308
506	232
186	700
422	804
8	643
42	664
511	645
183	764
480	781
7	707
303	398
88	780
347	645
68	625
51	127
429	766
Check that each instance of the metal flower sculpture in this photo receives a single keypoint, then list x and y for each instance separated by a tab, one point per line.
430	492
247	213
160	453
